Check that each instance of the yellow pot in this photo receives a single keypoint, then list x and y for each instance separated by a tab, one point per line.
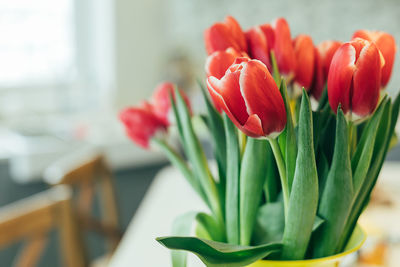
356	241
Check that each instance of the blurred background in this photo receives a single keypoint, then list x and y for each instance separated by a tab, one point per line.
68	66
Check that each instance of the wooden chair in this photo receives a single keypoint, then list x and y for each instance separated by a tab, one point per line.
32	219
88	173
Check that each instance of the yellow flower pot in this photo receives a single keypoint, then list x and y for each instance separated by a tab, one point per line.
356	241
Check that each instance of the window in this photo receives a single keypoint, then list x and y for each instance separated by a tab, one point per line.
36	42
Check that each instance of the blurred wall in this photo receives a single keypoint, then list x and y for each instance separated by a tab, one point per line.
139	50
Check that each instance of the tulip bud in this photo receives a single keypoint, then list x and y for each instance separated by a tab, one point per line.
354	78
141	124
218	62
250	97
386	44
283	47
223	35
305	56
161	101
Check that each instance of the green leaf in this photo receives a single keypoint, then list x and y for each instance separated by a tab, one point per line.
182	226
289	136
271	185
337	197
323	171
318	223
197	157
385	131
323	101
232	182
304	195
209	224
216	127
252	178
216	254
275	69
363	155
181	165
270	223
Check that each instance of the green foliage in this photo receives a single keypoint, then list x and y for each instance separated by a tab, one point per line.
336	200
232	182
304	194
217	254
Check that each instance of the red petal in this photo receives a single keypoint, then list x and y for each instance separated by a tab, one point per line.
218	62
326	50
305	56
218	38
366	81
141	125
340	77
319	79
258	46
237	32
386	44
228	89
283	47
262	97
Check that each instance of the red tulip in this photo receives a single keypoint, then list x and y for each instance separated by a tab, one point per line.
161	100
326	51
260	41
386	44
250	97
283	47
218	62
223	35
305	55
354	78
319	79
141	124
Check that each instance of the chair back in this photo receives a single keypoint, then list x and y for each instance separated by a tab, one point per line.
88	173
30	220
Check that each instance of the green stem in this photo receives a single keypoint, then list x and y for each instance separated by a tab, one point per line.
181	165
242	142
282	173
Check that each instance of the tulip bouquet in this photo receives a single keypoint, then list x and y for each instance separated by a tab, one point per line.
300	133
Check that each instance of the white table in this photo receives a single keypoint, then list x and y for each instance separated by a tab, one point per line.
169	196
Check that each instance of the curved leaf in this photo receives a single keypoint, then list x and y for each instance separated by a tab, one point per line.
220	254
304	195
337	197
232	182
182	226
252	179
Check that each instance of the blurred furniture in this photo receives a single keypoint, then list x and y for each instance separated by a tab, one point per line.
87	173
31	220
170	196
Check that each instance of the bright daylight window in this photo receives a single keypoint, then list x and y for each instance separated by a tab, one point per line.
36	42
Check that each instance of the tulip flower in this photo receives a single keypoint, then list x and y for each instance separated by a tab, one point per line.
323	54
223	35
326	51
283	47
250	97
386	44
305	55
260	41
218	62
319	79
161	100
354	78
141	124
